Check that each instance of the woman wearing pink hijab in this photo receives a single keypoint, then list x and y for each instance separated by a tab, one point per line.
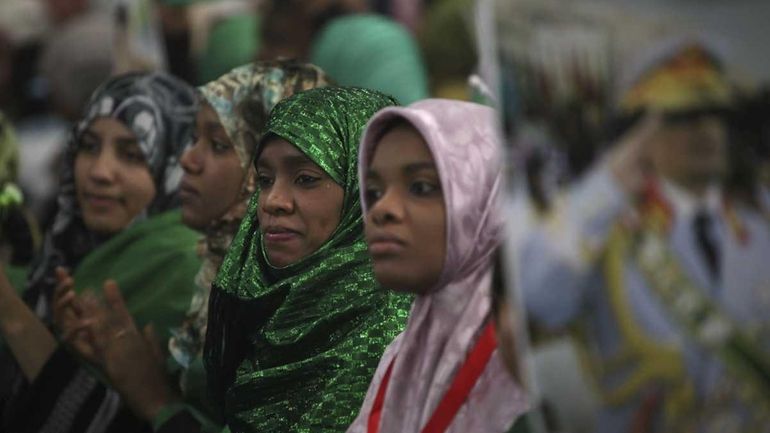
431	179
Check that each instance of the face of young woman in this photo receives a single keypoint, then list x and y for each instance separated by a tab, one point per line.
406	218
213	175
113	183
299	204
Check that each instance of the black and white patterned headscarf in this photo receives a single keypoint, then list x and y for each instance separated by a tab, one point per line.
160	110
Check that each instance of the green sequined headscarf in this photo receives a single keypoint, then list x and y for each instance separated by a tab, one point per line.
294	349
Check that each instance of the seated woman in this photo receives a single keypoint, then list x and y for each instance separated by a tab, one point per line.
297	321
116	220
430	174
219	180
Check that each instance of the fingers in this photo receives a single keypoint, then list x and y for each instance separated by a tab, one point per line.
75	330
153	343
79	337
630	160
62	273
65	283
66	306
68	301
116	304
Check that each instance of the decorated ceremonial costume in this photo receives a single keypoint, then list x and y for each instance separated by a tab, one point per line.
670	292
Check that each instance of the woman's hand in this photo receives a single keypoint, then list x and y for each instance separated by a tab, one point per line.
69	318
132	359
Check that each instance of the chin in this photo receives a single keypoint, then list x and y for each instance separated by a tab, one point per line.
103	225
395	278
192	220
279	260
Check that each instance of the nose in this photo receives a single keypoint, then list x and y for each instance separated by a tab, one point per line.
103	168
388	209
277	199
192	161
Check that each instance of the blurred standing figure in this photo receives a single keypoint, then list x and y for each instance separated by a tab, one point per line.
667	276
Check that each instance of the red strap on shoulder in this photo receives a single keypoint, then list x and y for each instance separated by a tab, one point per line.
464	381
373	426
456	395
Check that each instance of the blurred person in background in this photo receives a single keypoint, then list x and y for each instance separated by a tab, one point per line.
205	39
664	274
75	57
448	43
355	47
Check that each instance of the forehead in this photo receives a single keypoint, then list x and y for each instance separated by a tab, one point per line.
277	150
400	145
206	112
104	126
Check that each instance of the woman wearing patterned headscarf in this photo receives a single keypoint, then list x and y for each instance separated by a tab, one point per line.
296	320
215	189
116	221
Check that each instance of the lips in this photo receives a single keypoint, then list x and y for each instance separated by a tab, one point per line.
385	244
279	234
187	191
100	201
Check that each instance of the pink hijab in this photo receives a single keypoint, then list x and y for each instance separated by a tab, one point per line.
444	324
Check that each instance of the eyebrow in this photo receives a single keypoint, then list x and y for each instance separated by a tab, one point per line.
291	161
419	166
125	141
372	174
120	141
213	126
89	134
408	169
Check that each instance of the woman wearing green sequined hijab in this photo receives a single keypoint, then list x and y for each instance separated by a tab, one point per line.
296	320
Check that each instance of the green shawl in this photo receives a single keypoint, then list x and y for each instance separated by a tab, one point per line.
294	349
154	263
372	51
